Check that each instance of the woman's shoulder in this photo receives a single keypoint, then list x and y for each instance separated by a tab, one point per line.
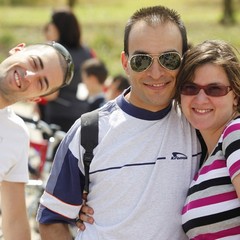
235	122
83	50
232	128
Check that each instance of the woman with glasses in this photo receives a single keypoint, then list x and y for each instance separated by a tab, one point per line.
208	90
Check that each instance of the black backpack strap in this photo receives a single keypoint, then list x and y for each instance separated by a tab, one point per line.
89	140
203	146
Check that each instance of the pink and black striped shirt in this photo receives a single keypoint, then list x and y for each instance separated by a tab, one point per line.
212	208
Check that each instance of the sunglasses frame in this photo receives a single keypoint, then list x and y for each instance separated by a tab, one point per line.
206	89
152	57
68	58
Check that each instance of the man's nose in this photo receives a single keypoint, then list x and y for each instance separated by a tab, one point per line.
156	70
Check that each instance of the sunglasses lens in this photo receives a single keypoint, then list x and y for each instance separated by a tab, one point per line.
171	60
189	90
140	62
216	90
210	90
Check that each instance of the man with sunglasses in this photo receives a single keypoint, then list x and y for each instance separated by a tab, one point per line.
27	74
147	152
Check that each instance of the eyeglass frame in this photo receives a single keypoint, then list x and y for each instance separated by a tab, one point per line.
152	57
205	88
68	58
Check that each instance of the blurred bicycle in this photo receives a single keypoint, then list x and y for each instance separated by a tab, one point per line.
44	140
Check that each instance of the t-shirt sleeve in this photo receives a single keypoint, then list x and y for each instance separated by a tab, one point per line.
231	147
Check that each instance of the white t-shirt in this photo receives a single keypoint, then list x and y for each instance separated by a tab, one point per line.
14	145
139	176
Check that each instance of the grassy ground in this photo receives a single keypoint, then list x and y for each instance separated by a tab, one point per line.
103	24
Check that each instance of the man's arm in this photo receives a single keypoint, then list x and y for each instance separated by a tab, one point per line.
15	221
54	231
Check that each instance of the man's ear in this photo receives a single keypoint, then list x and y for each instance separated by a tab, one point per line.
124	60
18	48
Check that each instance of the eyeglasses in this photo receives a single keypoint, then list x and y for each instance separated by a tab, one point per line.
168	60
68	58
213	90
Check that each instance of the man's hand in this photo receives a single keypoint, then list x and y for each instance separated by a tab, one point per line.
84	216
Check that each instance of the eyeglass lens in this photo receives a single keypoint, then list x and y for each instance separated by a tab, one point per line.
141	62
215	90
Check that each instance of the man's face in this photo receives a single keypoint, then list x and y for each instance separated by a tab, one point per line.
29	73
153	88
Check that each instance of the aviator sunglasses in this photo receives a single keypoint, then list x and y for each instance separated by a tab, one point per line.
68	58
212	90
168	60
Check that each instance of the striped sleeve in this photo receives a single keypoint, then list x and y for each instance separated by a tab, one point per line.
62	198
231	147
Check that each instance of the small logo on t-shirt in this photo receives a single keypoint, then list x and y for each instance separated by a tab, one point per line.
178	156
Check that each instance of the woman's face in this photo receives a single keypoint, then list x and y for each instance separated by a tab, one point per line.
51	32
208	113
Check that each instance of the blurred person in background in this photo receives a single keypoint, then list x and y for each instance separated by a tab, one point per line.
29	73
94	74
64	107
116	86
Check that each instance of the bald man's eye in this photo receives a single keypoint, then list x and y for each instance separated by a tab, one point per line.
34	63
41	84
37	62
44	83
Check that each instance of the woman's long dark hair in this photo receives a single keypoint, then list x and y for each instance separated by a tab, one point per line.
68	27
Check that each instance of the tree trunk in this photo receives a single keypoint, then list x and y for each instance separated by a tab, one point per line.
228	13
71	3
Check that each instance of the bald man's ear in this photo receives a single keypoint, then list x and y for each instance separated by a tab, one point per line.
18	48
